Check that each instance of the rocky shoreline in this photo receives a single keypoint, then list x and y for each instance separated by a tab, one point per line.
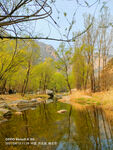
17	106
7	108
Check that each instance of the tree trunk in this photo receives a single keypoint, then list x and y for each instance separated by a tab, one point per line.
99	72
26	79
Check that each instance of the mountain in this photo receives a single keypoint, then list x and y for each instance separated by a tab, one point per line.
46	51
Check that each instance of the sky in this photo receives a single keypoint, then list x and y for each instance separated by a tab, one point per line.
48	28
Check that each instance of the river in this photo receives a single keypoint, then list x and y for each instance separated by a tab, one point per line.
42	128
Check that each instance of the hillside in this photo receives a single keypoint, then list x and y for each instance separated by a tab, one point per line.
49	51
46	51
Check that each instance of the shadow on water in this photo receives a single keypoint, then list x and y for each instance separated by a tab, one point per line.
77	129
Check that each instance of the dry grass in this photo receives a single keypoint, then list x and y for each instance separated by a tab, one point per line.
85	98
11	97
35	96
105	98
14	97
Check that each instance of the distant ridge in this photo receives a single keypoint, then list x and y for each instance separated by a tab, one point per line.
46	51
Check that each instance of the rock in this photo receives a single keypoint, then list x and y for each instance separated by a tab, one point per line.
18	113
23	103
20	109
3	105
50	93
58	96
49	101
33	101
15	108
62	111
15	103
5	112
27	103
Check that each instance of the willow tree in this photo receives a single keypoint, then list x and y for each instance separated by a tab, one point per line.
64	62
80	67
11	59
43	73
32	55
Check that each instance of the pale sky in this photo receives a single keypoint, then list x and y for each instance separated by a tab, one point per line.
68	6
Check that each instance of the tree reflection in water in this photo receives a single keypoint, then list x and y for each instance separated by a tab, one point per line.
92	129
89	128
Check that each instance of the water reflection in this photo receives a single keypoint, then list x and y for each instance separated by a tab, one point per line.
92	129
77	129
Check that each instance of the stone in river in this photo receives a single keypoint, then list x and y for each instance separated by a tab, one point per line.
62	111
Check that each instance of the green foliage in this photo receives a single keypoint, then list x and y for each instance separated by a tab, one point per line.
14	57
42	74
58	82
80	66
21	69
64	62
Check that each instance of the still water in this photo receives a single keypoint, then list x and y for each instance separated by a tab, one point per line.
42	128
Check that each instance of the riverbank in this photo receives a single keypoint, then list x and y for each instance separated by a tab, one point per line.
15	104
85	98
14	97
78	98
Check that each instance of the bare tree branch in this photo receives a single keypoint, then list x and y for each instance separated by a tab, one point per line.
48	38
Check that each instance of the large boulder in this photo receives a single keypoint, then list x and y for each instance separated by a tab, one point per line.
50	93
28	103
34	102
23	103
